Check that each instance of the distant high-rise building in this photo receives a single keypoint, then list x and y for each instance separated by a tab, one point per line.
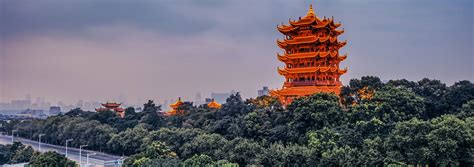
20	104
198	101
263	92
28	97
54	110
32	113
138	109
220	97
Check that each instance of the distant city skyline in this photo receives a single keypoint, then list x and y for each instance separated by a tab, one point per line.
161	50
42	103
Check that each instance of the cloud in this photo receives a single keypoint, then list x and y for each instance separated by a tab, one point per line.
135	63
69	50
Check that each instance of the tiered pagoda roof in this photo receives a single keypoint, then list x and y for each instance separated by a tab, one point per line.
310	19
286	71
174	108
214	104
286	57
309	39
176	104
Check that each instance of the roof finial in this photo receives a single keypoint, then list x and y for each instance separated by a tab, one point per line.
311	11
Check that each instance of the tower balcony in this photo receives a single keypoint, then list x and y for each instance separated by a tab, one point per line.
310	83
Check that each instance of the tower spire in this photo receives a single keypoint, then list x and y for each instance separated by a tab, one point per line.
311	11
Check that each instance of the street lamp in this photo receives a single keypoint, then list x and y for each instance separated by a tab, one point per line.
120	161
89	154
13	131
68	140
39	141
80	154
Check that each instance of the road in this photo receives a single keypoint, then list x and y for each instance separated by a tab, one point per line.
99	159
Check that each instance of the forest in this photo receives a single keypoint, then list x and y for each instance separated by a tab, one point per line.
372	123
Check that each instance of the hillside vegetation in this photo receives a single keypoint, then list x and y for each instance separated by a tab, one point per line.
371	123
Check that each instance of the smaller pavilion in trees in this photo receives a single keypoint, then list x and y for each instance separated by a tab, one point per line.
175	108
214	104
115	107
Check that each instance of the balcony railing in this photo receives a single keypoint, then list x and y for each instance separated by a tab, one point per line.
309	83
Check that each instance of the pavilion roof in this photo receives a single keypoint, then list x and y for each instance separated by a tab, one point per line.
176	104
310	19
214	104
111	105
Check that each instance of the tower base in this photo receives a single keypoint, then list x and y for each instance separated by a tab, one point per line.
286	95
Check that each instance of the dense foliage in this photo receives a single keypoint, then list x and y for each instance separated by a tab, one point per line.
372	123
18	153
15	153
51	158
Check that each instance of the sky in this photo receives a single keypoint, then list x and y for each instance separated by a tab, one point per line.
70	50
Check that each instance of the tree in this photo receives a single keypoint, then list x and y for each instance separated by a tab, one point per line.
107	117
390	104
199	160
278	154
234	106
265	103
372	152
209	144
150	115
450	142
315	112
352	93
15	153
83	131
129	121
372	128
458	94
467	110
175	138
323	140
22	154
51	158
128	142
410	85
142	161
225	163
257	125
372	82
169	162
5	154
158	150
433	93
150	107
408	143
154	151
244	152
340	156
77	112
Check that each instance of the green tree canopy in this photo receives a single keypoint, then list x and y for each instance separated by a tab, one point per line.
51	158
